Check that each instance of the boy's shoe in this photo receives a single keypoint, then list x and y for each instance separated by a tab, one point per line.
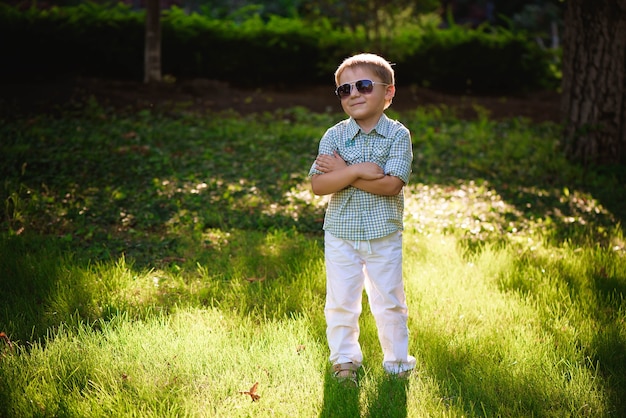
345	373
403	375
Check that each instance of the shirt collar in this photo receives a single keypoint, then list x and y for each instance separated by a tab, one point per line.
382	127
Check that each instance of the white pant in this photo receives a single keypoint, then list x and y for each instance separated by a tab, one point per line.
377	266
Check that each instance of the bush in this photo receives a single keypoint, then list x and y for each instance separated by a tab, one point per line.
88	39
107	41
461	59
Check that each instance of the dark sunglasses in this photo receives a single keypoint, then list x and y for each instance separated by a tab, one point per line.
362	86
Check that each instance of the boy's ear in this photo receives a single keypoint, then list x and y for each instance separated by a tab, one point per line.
391	92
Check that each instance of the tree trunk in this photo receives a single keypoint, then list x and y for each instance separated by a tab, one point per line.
593	104
152	51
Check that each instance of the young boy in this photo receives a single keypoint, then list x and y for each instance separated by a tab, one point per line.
364	163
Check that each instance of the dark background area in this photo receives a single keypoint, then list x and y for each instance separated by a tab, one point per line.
44	91
212	95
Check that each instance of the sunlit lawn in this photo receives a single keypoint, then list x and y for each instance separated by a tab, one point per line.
160	265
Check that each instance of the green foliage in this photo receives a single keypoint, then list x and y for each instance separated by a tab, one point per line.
83	39
107	40
486	60
109	179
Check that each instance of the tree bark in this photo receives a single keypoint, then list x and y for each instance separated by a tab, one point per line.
593	104
152	50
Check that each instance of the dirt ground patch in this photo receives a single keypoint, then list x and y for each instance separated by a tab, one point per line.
202	95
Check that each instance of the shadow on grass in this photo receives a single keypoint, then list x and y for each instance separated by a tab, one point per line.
340	400
30	271
612	198
391	399
598	294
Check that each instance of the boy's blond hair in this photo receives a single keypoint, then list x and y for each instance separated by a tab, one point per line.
377	64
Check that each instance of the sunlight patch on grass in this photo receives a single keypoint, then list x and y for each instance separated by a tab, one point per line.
478	211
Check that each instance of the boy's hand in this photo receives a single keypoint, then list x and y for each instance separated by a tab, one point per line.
370	171
327	163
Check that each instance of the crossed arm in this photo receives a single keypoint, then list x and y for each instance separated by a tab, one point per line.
366	176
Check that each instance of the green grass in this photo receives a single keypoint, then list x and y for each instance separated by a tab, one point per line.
158	264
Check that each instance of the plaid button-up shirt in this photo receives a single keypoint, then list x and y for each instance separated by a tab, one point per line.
354	214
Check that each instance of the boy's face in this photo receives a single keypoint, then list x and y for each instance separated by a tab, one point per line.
365	108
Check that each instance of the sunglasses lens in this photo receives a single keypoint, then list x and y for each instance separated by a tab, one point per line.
364	86
343	90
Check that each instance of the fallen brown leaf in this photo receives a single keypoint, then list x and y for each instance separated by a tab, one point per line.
252	392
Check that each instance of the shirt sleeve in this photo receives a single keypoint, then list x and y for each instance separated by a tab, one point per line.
400	155
327	147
